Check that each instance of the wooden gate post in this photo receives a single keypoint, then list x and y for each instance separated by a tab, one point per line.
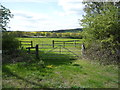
31	43
53	42
29	50
37	52
83	49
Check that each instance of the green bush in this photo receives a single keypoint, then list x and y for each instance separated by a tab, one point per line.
9	42
105	54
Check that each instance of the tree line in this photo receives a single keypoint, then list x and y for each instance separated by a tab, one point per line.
48	34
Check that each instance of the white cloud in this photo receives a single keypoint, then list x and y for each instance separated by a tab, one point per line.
23	20
71	6
26	21
38	21
30	15
73	9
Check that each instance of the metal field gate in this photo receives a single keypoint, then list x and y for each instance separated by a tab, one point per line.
71	48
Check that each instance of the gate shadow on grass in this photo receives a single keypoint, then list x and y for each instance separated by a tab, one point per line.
11	74
31	65
48	58
56	58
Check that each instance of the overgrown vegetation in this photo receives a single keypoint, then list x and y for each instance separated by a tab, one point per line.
101	24
9	43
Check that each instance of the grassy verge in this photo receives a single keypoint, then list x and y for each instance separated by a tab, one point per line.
58	72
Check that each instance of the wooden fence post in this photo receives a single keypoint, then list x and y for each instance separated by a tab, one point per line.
63	44
37	52
31	43
53	42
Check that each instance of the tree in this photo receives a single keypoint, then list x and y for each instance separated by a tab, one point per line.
101	24
53	34
47	34
5	16
59	35
9	42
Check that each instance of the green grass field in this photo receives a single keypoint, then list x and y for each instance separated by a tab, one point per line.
42	41
45	40
60	71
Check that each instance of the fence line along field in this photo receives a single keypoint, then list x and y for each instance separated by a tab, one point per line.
45	40
54	45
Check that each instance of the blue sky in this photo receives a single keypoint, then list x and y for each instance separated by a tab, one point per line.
44	15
